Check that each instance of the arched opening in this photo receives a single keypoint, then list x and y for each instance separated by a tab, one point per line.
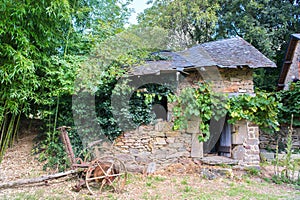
150	102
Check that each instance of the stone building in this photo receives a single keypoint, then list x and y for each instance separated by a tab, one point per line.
291	66
228	64
290	73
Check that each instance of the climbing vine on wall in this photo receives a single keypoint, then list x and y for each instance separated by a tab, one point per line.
200	102
261	109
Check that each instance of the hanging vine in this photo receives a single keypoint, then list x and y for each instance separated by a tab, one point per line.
261	109
200	102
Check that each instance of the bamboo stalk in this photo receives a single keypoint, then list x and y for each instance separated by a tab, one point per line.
2	138
49	127
2	114
2	126
16	128
8	135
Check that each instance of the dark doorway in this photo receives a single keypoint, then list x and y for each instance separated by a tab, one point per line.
225	141
160	108
223	145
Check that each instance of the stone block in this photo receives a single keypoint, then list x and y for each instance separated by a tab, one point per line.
134	151
129	134
225	172
135	168
297	130
151	168
242	91
125	157
238	153
162	126
175	155
167	126
144	129
295	156
161	141
143	157
240	134
170	140
176	145
129	141
172	133
193	125
197	147
145	141
183	149
157	133
160	154
119	144
252	142
124	151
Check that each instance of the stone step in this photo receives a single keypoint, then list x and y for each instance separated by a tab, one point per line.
218	160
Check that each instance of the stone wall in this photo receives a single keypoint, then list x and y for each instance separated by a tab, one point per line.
269	141
227	80
152	144
238	80
160	146
245	141
294	68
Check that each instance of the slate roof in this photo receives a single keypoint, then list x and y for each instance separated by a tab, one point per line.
173	62
226	53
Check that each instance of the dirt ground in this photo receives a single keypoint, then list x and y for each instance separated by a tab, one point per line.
19	163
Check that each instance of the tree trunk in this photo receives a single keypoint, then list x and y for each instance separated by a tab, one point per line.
38	179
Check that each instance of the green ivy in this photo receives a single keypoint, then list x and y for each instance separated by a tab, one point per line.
200	102
261	109
290	100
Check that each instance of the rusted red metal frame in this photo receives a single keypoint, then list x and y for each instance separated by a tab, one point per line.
66	141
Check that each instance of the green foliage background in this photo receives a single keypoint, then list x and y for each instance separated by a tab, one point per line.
42	46
266	24
46	45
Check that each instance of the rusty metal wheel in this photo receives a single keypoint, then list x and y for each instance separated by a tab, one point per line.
106	174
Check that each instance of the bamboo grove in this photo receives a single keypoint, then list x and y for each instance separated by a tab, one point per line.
42	44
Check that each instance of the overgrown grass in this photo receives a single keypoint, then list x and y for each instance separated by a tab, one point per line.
172	187
253	171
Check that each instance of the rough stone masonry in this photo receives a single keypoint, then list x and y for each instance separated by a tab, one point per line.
159	146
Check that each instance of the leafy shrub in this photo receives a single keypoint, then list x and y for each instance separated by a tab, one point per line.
261	109
290	100
253	171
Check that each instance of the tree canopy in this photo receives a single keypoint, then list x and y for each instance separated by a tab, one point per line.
266	24
189	21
